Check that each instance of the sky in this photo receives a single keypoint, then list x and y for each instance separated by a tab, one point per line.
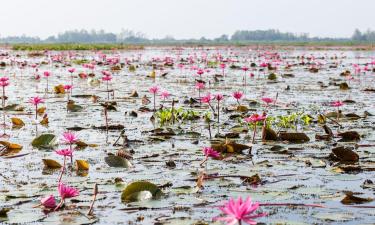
186	18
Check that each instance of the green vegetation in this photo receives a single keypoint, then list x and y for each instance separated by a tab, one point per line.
71	46
165	116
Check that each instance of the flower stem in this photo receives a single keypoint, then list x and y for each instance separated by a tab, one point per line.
255	130
218	117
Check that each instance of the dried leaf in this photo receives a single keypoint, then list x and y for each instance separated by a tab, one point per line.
82	164
51	164
17	122
11	146
59	89
351	199
41	110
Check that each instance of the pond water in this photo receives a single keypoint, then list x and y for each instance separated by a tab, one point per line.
298	173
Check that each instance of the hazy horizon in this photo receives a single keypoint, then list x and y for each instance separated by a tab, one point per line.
187	19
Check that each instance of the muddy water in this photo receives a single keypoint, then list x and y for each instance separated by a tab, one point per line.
286	176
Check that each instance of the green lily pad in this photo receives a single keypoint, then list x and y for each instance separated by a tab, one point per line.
117	161
44	141
140	190
334	216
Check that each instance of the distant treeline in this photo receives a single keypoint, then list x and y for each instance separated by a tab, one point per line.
130	37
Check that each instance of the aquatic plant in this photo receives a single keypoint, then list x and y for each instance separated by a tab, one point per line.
238	211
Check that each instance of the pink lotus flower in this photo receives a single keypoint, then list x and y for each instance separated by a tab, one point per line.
238	210
255	118
219	97
4	83
199	85
237	95
36	100
67	87
71	70
46	73
153	89
267	100
66	192
200	72
48	202
165	94
106	73
64	152
210	152
69	137
4	79
207	99
107	78
222	65
245	68
337	104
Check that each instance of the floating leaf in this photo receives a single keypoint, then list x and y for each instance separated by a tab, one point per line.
294	137
72	107
82	144
351	199
82	164
242	108
345	154
41	110
44	121
350	136
14	107
334	216
11	146
321	119
230	147
4	211
59	89
117	161
51	164
17	122
44	141
22	216
140	190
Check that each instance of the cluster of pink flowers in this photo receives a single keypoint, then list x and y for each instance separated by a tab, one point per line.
64	191
49	202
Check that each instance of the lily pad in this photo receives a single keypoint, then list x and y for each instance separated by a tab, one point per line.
44	141
117	161
140	190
